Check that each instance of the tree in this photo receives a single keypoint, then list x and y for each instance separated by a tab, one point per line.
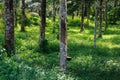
23	17
15	12
100	19
54	15
9	27
96	16
63	35
106	17
82	16
43	21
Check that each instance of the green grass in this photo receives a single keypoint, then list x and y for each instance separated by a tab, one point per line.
88	63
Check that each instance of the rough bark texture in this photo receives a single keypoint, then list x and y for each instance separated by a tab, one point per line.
43	21
63	35
9	27
95	27
106	17
82	16
100	20
23	17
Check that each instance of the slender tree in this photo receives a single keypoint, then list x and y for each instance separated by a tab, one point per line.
100	19
95	27
23	17
9	27
82	16
43	21
15	12
54	15
63	35
106	17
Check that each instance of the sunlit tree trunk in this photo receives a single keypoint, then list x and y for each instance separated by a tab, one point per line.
63	35
23	17
82	16
43	21
106	17
95	27
9	27
100	20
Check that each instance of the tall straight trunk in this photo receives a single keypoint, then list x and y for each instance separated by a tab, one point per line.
106	17
23	17
95	27
63	35
54	16
43	21
9	27
100	20
15	12
82	16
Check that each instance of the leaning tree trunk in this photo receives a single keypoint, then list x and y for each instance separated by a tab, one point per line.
43	21
100	20
82	16
95	27
106	17
63	35
23	17
9	27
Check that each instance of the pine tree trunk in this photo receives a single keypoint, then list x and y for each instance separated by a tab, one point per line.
100	20
63	35
43	21
9	27
106	17
82	16
23	17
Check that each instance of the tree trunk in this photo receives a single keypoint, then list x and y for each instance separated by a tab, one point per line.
54	18
82	16
23	17
95	28
63	36
9	27
100	20
88	12
115	3
106	17
15	13
43	21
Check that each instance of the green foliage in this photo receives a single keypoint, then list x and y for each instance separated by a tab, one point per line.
114	15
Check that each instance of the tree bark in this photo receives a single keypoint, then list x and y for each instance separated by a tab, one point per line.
43	21
82	16
9	27
95	27
100	20
106	17
63	35
23	17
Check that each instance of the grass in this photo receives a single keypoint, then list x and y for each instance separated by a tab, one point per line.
88	63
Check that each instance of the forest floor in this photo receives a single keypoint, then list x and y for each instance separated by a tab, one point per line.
88	63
